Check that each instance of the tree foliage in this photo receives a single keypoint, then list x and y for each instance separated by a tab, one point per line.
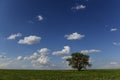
78	61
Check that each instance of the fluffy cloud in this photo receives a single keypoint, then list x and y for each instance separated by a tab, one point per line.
79	7
19	58
38	60
74	36
116	44
38	57
13	36
43	51
90	51
66	50
40	18
41	60
34	56
30	40
114	29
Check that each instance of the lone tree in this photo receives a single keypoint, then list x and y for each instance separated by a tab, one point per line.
78	61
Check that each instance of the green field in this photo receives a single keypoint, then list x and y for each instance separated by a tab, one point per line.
60	75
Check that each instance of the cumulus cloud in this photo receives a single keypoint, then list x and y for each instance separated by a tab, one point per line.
43	51
30	40
40	17
14	36
113	29
66	57
41	60
38	60
90	51
66	50
34	56
39	57
79	7
74	36
116	43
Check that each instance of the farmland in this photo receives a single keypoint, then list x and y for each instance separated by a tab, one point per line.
108	74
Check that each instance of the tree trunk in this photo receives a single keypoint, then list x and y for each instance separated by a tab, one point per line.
79	68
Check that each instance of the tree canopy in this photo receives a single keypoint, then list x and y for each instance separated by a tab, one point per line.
78	61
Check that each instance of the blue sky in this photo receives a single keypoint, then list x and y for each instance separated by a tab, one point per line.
40	34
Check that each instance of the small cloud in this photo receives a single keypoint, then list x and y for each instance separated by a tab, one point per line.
114	29
116	43
66	57
90	51
30	40
19	58
114	63
40	17
43	51
26	58
74	36
66	50
33	56
78	7
13	36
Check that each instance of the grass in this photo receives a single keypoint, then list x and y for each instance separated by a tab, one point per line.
113	74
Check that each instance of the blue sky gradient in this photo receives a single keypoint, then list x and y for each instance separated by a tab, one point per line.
47	25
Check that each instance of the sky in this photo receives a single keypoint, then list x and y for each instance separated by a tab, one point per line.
41	34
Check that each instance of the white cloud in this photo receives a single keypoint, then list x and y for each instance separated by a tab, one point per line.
19	58
26	58
33	56
13	36
116	44
11	63
43	51
40	18
37	58
74	36
90	51
66	50
114	63
41	60
114	29
66	57
30	40
79	7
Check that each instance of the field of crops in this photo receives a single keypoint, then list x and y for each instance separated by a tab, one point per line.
59	75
